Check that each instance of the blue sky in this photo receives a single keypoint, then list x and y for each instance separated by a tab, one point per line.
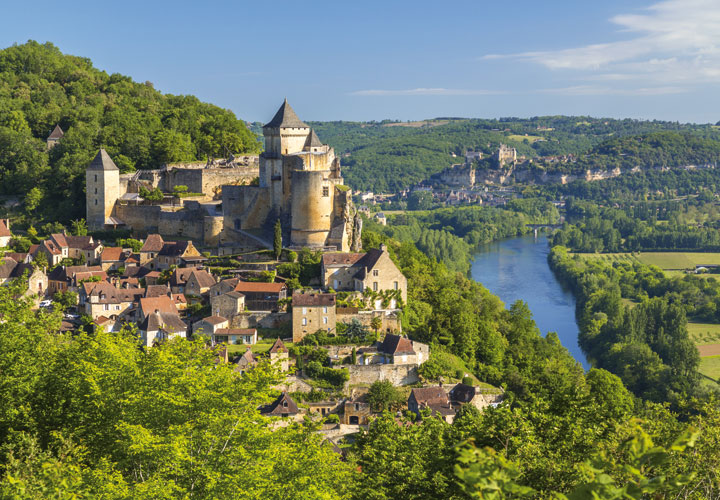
402	60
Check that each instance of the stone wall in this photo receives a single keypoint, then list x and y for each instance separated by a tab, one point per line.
260	319
397	374
390	322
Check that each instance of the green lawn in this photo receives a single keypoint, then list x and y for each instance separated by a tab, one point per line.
704	333
710	367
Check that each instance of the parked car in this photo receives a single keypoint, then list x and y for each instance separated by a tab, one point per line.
46	303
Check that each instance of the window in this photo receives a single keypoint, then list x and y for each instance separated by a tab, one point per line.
304	322
325	309
95	177
96	201
325	320
395	285
376	272
95	190
326	191
375	286
304	310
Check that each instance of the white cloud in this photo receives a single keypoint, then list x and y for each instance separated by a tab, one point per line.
600	90
670	42
426	91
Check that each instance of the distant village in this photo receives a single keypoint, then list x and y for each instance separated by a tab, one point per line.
204	267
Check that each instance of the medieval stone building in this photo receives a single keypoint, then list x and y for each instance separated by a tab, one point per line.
298	182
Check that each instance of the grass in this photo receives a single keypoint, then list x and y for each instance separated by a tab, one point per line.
672	261
704	333
710	367
530	138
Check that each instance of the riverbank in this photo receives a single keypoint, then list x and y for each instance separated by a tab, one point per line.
517	269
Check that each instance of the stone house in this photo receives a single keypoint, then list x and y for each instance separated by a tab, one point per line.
400	350
152	246
311	312
103	299
227	305
5	234
62	278
223	286
158	326
191	281
279	354
262	296
246	362
373	270
11	270
112	258
480	398
283	406
176	253
234	336
54	138
323	408
78	247
356	411
433	398
208	326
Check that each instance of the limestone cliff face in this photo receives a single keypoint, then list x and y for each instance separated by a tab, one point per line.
519	174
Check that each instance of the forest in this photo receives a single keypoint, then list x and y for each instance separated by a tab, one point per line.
40	87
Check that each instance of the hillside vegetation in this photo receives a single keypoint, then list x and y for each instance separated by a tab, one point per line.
139	126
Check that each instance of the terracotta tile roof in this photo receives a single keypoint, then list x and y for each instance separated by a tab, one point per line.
57	133
59	239
214	320
278	346
153	243
396	344
259	287
312	299
430	395
247	359
236	331
82	242
162	304
179	298
157	291
108	294
341	259
110	254
17	257
4	231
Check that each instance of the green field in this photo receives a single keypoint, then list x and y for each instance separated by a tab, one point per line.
710	367
530	138
704	333
663	260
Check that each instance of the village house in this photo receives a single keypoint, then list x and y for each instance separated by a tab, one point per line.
159	320
400	350
262	296
228	304
191	281
176	254
234	336
102	299
112	258
208	326
279	354
247	361
11	270
80	248
312	311
63	278
283	406
433	398
373	271
356	411
5	234
54	138
152	246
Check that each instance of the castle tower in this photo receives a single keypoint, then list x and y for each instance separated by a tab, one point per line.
102	184
55	137
285	134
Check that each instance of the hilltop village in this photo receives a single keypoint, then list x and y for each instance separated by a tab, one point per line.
200	264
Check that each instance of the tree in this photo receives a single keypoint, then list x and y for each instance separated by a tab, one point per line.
33	199
66	299
383	396
376	323
79	227
277	242
40	260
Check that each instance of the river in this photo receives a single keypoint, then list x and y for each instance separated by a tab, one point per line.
517	268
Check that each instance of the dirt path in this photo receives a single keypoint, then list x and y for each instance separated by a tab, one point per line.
709	350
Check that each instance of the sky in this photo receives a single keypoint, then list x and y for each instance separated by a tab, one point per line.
403	60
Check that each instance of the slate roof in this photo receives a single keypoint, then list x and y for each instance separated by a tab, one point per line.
7	266
84	242
396	344
462	393
157	291
312	299
285	118
174	248
283	404
341	259
153	243
102	161
108	294
247	359
57	133
203	278
313	141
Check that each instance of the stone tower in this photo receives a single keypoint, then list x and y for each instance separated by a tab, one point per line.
102	184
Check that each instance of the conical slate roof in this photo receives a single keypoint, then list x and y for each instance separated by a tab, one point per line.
57	133
102	162
313	141
286	118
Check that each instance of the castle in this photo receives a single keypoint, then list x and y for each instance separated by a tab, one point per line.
296	180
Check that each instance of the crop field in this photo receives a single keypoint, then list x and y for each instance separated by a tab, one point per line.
710	367
704	333
664	260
